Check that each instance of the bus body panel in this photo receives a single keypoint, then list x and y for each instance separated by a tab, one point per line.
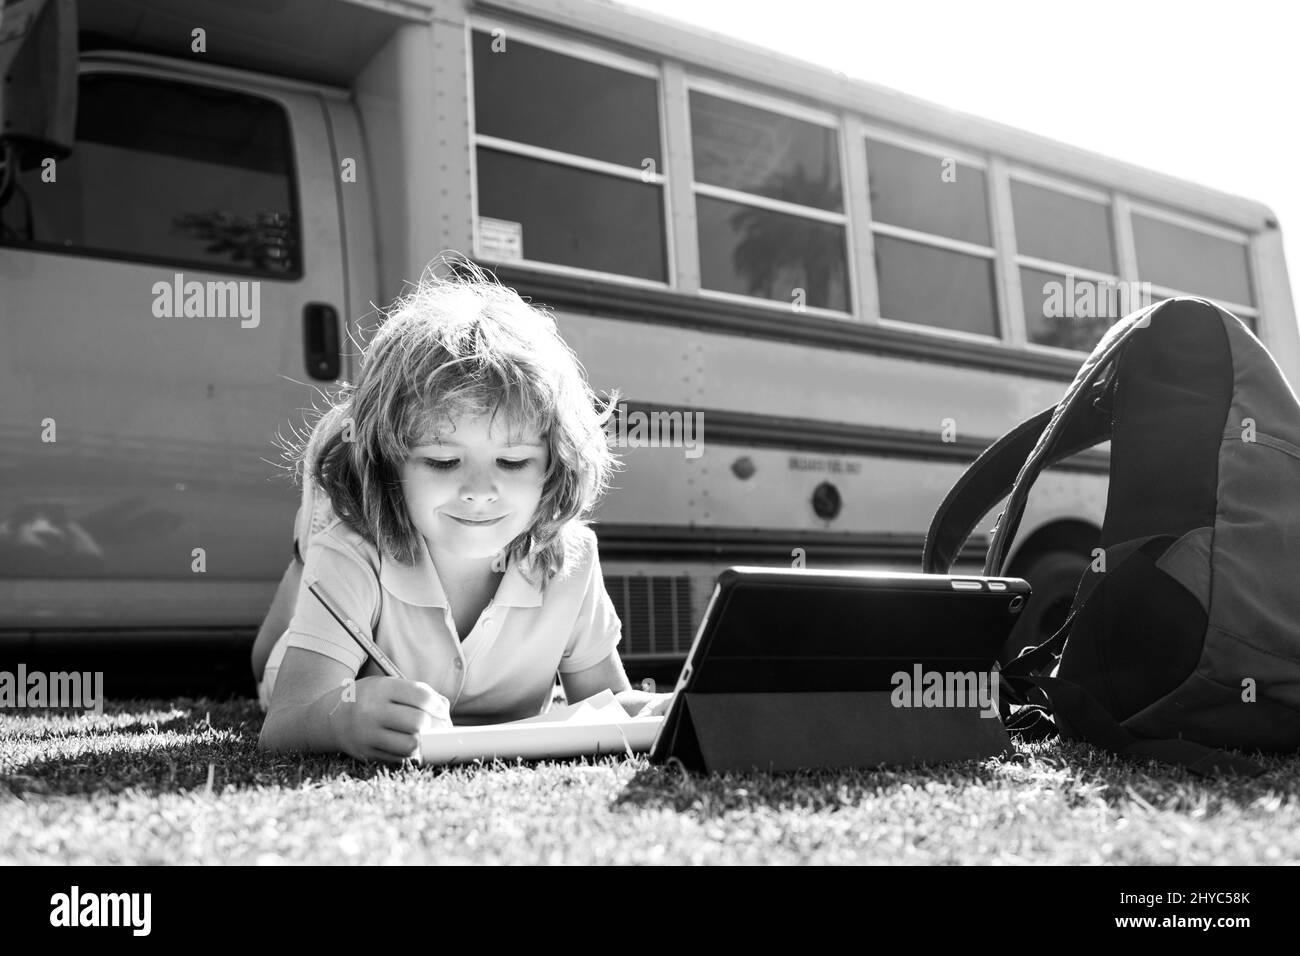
735	486
1280	332
413	101
650	363
357	222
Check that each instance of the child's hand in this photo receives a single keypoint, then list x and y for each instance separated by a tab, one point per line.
656	707
386	718
638	703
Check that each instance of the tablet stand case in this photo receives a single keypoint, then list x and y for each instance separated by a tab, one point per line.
767	731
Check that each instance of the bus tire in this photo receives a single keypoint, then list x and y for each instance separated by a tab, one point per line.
1054	577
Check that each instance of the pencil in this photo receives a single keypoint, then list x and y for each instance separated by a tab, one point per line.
367	645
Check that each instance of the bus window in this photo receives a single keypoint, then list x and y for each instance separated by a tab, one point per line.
934	286
934	254
750	251
1070	287
572	217
1062	228
569	167
1192	260
741	147
909	189
170	173
769	204
538	97
1069	311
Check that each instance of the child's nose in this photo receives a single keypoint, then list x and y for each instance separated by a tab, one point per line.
480	485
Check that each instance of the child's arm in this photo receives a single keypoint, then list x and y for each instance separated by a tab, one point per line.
308	688
317	707
314	512
596	635
374	718
277	618
609	674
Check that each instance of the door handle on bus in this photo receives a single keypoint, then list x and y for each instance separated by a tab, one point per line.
320	340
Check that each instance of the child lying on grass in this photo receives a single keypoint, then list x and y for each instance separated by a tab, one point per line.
444	510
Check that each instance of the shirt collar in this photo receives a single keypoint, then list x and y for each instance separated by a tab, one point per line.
418	583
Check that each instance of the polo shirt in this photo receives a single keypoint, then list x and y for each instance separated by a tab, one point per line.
504	669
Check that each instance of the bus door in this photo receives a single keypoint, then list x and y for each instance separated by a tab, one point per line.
167	297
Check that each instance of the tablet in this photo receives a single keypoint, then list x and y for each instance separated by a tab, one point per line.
811	636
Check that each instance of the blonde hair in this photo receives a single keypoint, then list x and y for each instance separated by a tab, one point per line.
462	343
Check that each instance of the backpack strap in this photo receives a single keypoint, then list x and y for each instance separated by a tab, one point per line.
1010	465
1084	412
991	477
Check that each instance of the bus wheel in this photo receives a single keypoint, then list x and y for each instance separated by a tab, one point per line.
1054	578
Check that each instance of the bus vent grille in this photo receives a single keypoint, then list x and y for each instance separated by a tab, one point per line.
656	611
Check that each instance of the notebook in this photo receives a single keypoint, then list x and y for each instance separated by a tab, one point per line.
596	726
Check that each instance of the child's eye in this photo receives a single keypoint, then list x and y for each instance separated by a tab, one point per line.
446	464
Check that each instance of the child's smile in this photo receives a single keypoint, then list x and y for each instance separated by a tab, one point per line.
476	523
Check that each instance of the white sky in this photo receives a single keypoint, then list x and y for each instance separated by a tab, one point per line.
1206	92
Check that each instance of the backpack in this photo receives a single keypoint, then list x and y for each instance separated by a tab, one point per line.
1183	637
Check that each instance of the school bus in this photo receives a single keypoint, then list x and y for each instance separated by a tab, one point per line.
849	292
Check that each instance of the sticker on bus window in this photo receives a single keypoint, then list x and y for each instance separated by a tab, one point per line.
500	239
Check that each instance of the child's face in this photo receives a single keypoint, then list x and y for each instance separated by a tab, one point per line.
476	472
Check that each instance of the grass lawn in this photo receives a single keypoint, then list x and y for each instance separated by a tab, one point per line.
182	782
